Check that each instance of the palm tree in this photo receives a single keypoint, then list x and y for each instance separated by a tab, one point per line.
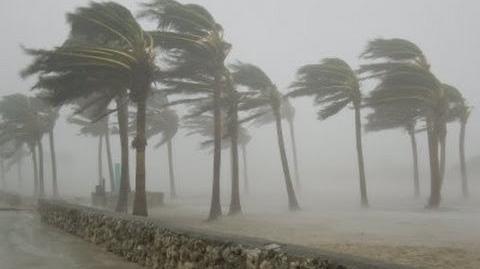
15	158
25	120
459	111
197	48
333	85
402	116
2	168
404	75
97	129
264	98
243	139
52	117
107	47
289	114
233	135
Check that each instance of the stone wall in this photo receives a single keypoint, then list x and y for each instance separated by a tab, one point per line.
158	245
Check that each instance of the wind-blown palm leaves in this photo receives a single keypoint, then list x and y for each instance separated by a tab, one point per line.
106	47
264	94
195	45
333	85
404	76
402	116
24	121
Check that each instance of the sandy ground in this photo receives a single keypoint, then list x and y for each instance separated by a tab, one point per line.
404	234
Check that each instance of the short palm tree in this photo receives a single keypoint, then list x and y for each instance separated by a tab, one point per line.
197	49
263	98
404	76
334	85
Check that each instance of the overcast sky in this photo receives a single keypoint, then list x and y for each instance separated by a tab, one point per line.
280	36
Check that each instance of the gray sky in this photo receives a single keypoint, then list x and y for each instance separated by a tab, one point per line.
280	36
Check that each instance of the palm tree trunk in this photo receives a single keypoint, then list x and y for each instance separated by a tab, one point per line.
171	172
245	169
235	205
41	181
416	181
35	170
295	156
100	161
435	178
361	167
109	158
215	206
292	199
122	115
442	139
19	172
2	174
463	165
140	143
54	164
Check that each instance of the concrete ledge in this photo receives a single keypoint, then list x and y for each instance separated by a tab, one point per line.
159	245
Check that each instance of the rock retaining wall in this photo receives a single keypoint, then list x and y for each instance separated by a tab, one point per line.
157	245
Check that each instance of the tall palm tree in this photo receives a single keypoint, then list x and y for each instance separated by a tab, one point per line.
52	117
404	76
264	97
233	135
289	114
197	48
108	47
458	111
403	116
334	85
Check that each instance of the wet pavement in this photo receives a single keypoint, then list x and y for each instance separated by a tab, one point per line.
26	243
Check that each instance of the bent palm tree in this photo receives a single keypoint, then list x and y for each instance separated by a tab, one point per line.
264	97
106	47
405	76
333	85
195	45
